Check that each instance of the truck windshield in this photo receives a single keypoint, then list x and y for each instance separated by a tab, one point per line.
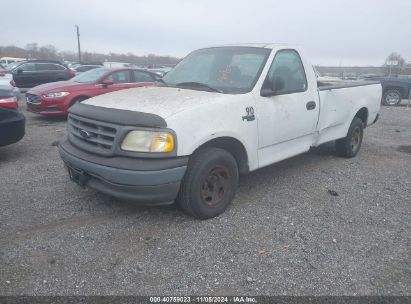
220	69
90	76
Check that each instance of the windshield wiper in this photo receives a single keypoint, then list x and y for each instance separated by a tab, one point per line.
198	84
162	81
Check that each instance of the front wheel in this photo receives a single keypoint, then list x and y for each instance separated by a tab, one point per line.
209	184
391	97
350	145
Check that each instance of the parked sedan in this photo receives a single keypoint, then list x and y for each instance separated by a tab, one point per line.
54	99
12	121
27	74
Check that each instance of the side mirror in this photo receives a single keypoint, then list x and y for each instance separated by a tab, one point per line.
107	83
19	71
270	88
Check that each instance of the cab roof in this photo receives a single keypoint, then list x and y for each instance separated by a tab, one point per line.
258	45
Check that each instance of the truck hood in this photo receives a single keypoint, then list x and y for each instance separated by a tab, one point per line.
54	86
162	101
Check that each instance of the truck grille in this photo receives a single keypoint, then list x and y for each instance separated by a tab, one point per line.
33	98
94	136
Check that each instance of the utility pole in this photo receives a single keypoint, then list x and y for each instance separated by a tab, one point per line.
78	43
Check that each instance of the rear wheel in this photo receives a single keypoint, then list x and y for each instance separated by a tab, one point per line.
209	184
391	97
350	145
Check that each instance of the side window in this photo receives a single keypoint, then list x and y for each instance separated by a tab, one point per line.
142	77
43	67
287	66
120	77
27	67
48	67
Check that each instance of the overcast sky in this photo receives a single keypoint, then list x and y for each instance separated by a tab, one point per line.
346	32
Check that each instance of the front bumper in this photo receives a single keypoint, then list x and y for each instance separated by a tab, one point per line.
148	181
47	106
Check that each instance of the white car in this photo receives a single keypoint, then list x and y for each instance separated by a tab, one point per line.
221	112
6	80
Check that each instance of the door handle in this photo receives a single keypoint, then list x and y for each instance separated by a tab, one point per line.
310	105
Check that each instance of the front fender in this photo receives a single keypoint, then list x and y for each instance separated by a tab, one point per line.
198	126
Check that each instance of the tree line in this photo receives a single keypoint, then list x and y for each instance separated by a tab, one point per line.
50	52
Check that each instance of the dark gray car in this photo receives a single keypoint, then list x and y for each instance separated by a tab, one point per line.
31	73
395	89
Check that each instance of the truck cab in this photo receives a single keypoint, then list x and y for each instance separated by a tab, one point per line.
221	112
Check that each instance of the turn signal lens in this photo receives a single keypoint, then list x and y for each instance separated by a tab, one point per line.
162	142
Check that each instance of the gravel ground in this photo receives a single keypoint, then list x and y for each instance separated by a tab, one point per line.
284	234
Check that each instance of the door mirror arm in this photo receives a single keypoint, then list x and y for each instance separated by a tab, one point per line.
106	83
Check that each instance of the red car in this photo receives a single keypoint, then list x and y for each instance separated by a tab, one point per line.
54	99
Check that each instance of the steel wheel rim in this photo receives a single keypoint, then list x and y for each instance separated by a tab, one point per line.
215	186
355	138
392	98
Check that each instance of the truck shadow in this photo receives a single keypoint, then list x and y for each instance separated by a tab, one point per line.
253	180
291	165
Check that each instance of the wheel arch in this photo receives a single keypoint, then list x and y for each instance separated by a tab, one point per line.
363	115
231	145
393	87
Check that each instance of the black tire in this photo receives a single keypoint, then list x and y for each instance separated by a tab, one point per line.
392	97
350	145
209	184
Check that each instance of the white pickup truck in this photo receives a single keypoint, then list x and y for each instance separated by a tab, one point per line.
221	112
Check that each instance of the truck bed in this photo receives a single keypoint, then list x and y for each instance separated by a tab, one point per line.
339	101
323	86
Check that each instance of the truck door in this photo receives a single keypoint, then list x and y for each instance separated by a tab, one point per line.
286	120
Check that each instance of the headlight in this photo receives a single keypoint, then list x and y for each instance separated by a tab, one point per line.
56	94
148	141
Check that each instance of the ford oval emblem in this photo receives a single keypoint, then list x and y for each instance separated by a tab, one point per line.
84	133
